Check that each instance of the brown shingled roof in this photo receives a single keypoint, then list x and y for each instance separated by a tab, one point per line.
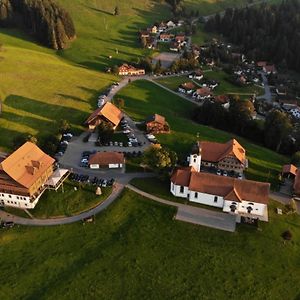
27	164
214	152
229	188
108	111
106	158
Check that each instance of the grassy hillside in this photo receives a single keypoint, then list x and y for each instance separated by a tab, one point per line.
143	98
38	89
100	33
135	250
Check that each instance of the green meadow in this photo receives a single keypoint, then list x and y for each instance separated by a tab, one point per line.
136	250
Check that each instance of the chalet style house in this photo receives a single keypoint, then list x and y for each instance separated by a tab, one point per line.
157	124
111	160
128	70
230	156
24	176
106	113
245	199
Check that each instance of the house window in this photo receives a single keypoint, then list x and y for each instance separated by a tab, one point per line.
172	187
181	189
195	160
196	195
9	196
216	199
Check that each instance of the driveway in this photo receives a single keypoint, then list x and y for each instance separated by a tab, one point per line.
195	215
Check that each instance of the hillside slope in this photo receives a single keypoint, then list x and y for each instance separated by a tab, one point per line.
38	88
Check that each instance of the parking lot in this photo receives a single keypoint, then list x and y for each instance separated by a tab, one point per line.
166	59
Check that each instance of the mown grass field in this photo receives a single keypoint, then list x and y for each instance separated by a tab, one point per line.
144	98
38	89
136	250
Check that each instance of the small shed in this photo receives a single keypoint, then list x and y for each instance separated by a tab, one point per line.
289	171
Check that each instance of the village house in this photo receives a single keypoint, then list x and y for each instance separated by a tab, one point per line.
166	37
144	34
202	93
128	70
25	175
162	26
230	156
157	124
106	113
247	200
197	74
187	88
110	160
180	39
222	99
269	69
152	29
289	171
175	47
171	24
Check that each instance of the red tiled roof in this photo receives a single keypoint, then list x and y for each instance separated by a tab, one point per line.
106	158
156	118
289	169
229	188
214	152
181	176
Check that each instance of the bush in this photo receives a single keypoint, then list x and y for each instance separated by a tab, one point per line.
287	235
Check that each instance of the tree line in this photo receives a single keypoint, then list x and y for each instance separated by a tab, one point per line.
48	22
274	133
267	32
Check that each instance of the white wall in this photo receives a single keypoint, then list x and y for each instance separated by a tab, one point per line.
259	209
175	190
16	201
94	166
206	199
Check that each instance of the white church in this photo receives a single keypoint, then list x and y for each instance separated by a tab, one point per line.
246	199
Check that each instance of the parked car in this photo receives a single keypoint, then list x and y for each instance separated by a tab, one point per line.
104	183
7	224
219	172
240	176
129	144
225	173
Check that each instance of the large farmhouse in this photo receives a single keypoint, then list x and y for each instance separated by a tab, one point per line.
24	175
107	113
230	156
128	70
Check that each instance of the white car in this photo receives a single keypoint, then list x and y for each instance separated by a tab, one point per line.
126	131
225	173
240	176
84	160
64	143
68	135
129	144
219	172
104	183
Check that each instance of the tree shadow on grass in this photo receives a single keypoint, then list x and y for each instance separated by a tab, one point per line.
99	10
50	111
